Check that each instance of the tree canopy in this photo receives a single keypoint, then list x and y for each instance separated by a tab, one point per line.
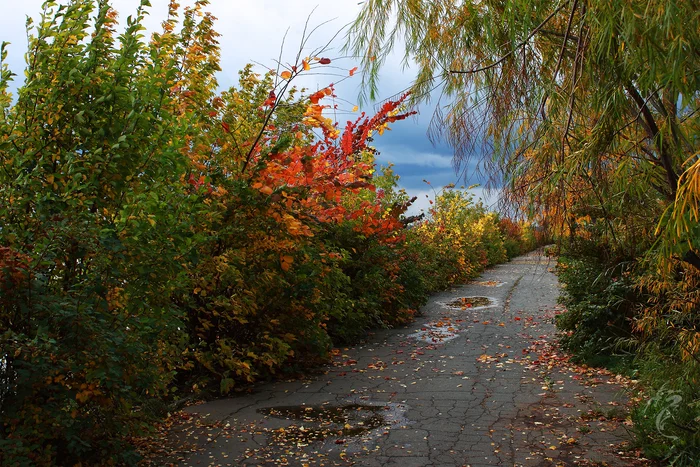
578	107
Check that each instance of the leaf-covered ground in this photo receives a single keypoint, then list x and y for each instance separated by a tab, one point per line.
462	386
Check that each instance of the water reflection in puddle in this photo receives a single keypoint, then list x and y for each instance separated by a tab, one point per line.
435	333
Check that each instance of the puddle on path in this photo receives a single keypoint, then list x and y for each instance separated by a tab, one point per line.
470	303
436	333
487	283
330	421
445	329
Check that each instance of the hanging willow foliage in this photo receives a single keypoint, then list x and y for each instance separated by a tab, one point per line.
577	108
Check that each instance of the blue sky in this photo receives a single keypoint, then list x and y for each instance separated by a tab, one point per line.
253	30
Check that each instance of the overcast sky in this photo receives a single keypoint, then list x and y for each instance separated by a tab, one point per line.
253	30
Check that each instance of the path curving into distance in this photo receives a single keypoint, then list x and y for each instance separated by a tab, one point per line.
475	381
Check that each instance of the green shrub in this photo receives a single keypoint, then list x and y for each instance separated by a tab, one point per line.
91	201
667	423
600	304
629	318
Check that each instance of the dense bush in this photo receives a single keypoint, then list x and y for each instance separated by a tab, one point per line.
595	293
462	238
668	423
635	317
93	224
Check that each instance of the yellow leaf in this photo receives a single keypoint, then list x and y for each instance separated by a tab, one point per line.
355	109
286	75
305	62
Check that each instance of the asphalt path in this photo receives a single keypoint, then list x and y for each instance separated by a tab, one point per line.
476	380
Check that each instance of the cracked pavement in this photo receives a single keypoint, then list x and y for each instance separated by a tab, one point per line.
464	385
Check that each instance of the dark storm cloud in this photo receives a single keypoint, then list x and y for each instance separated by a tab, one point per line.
416	158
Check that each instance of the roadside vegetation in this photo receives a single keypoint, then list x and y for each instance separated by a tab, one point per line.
162	239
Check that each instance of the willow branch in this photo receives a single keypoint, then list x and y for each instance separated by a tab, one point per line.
522	43
653	132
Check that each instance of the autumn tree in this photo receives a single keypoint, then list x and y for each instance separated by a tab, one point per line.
585	114
568	103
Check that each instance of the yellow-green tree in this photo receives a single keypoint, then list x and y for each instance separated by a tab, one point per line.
96	226
571	103
585	113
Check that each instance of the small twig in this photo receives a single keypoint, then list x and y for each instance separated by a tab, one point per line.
563	44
